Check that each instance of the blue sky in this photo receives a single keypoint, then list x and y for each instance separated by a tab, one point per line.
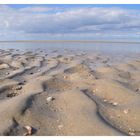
127	6
69	22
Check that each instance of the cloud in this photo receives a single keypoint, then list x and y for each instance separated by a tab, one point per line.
36	9
37	20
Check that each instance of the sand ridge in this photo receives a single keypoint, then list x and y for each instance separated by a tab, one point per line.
63	94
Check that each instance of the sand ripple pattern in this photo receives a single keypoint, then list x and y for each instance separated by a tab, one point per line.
79	94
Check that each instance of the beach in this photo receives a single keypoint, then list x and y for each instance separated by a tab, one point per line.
69	94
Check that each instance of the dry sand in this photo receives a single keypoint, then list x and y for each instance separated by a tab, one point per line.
79	94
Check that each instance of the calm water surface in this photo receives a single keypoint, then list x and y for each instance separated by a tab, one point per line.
74	46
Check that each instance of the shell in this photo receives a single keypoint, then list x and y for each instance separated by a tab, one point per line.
7	73
115	103
50	99
131	133
95	90
60	126
29	130
18	88
105	100
125	111
65	77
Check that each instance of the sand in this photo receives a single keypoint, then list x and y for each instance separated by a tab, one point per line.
81	94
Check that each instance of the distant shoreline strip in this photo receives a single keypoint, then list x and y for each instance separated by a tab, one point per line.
68	41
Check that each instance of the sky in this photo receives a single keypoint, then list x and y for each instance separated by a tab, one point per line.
70	22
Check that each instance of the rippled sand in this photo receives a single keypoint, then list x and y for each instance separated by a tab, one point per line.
69	94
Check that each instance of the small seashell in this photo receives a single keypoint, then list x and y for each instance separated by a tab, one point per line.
105	100
131	130
18	88
60	126
29	130
125	111
94	90
12	94
131	133
7	73
50	99
65	77
115	104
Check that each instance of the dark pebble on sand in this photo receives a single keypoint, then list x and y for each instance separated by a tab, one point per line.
21	83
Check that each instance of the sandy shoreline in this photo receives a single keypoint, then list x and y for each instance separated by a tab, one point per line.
77	94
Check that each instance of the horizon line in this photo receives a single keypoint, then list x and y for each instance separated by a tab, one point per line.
70	41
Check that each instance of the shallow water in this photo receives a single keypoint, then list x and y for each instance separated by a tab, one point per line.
75	46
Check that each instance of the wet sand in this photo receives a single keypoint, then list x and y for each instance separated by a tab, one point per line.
84	94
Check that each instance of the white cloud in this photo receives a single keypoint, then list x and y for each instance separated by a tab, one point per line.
37	20
36	9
